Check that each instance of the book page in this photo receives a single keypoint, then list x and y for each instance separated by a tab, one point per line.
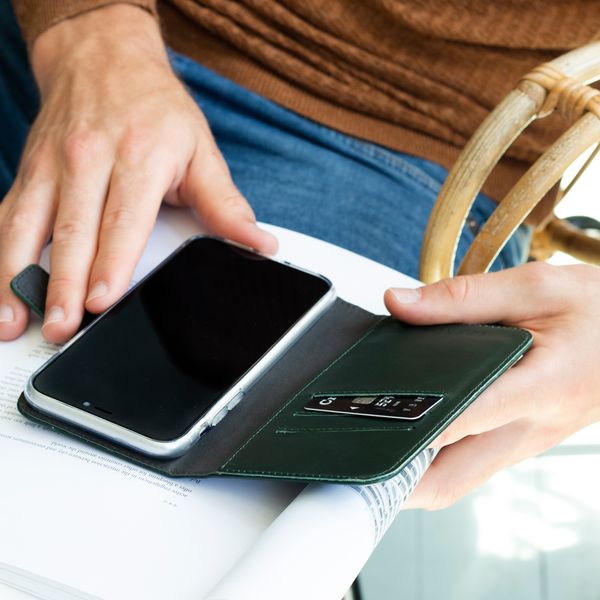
86	521
328	533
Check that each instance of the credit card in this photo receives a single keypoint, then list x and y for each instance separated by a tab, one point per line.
388	406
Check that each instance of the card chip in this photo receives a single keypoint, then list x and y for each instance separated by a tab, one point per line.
364	400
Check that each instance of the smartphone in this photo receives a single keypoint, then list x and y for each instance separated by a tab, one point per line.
181	348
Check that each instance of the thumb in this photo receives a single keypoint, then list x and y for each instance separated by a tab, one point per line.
207	187
510	296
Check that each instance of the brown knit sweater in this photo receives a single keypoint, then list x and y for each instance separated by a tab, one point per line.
418	76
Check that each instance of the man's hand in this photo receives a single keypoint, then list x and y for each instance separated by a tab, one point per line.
117	133
547	396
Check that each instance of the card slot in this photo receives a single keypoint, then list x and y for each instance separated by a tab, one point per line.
315	415
352	429
370	391
315	421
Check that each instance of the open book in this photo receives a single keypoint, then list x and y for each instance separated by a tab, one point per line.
77	522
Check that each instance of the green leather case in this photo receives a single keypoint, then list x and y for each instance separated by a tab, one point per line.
348	351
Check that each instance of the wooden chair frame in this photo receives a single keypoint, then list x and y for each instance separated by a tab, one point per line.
558	85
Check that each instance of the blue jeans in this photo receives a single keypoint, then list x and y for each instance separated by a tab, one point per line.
294	172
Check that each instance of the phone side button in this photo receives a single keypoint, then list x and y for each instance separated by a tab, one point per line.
219	417
235	400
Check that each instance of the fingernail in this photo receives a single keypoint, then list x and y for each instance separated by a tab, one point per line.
55	315
99	289
261	239
407	295
7	314
271	244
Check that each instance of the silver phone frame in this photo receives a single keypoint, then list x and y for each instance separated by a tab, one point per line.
178	446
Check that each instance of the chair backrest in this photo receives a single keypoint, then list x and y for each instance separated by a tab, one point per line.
562	85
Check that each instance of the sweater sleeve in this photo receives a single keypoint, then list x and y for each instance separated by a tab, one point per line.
35	16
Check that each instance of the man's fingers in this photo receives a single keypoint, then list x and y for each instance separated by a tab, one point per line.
25	215
511	397
460	468
74	241
515	295
208	188
134	197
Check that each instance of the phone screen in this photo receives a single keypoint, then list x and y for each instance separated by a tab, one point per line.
160	358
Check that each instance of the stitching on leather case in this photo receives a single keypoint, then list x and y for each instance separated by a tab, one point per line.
16	284
285	430
425	438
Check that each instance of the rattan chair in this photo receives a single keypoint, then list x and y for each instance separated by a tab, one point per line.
562	85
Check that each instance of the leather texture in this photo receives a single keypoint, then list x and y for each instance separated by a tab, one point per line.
347	351
31	286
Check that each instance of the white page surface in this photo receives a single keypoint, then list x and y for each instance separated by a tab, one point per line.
318	545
